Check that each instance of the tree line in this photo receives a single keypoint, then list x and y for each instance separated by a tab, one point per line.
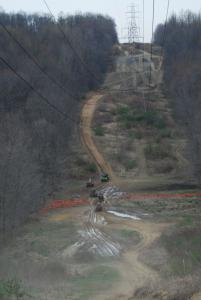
34	137
180	38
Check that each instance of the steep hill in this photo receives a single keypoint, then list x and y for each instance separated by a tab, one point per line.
136	129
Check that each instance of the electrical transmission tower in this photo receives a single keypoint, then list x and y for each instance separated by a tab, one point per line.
133	29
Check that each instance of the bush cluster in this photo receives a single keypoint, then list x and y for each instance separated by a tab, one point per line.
131	117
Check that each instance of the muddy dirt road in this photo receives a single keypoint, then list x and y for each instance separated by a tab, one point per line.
134	274
74	253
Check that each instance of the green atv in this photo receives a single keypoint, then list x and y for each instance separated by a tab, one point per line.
105	178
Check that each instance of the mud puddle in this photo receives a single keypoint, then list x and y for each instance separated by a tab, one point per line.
124	215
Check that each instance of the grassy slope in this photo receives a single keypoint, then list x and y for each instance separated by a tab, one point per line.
141	145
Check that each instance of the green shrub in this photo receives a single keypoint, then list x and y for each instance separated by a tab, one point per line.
131	135
130	164
113	112
157	151
160	123
165	133
99	130
130	118
91	167
10	288
123	110
81	162
138	135
127	124
165	166
152	118
135	135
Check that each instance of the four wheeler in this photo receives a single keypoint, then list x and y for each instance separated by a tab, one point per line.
90	183
105	177
101	198
99	203
99	207
93	194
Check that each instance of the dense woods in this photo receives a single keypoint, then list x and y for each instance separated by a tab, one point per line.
181	39
34	137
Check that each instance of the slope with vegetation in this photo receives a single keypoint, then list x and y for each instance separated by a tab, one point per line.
135	128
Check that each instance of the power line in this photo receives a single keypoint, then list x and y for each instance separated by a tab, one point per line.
143	30
37	92
68	42
153	18
34	60
165	28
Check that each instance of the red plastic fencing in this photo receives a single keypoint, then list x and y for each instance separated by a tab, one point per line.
81	202
65	203
161	196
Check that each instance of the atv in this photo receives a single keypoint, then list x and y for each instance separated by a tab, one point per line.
99	207
90	183
105	178
93	194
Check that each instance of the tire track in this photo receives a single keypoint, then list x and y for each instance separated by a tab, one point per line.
96	242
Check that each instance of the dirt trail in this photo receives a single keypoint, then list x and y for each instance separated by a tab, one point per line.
134	273
87	135
124	65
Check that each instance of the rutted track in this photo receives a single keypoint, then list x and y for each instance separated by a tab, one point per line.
87	138
102	243
92	240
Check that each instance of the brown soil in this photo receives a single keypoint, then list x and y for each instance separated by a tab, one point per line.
87	135
134	273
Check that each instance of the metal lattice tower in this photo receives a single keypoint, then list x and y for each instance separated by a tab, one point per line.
133	29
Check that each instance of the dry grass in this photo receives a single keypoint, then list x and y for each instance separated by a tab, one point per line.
140	144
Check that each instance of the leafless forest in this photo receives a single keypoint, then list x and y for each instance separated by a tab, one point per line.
181	39
34	136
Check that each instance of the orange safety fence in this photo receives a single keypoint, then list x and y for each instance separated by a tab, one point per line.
161	196
80	202
65	203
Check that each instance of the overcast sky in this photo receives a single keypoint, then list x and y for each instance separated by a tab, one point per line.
115	8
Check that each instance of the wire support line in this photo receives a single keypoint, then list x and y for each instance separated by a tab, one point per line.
143	31
151	55
165	29
35	61
70	45
37	92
